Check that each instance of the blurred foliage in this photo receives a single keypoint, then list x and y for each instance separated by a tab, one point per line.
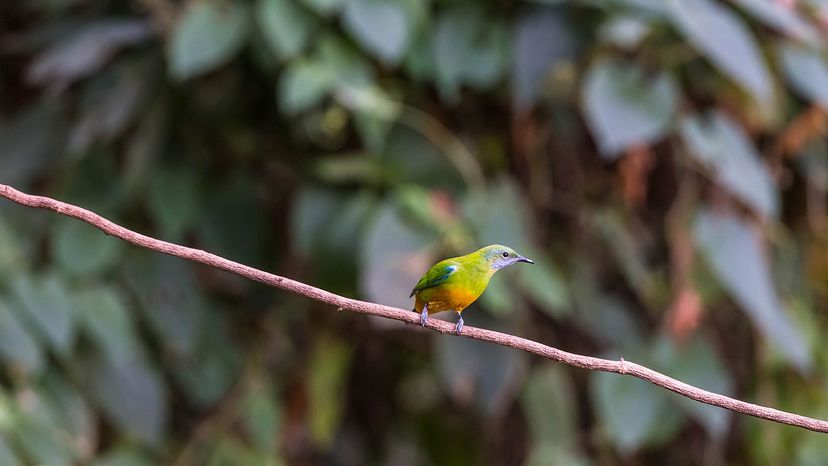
664	162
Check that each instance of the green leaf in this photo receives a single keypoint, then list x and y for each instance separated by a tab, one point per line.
543	454
348	66
625	32
347	168
231	452
625	107
409	157
235	201
811	450
311	211
17	346
633	412
479	374
549	404
468	49
784	18
36	430
807	70
110	102
286	26
107	322
123	456
545	284
698	364
81	249
500	298
543	39
261	417
79	424
393	256
30	142
500	215
325	7
11	250
7	455
327	224
303	85
722	37
607	318
737	256
208	35
379	26
174	199
723	148
328	380
45	303
171	300
82	50
132	395
214	366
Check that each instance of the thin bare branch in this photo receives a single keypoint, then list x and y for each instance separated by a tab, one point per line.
340	302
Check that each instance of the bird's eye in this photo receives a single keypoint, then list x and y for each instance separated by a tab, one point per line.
505	254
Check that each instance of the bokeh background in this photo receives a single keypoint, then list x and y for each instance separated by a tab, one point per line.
664	163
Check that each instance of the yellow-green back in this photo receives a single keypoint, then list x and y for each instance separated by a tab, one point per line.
453	284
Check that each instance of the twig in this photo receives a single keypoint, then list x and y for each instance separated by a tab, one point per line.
511	341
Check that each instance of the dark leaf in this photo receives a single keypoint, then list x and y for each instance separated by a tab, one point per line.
45	302
721	146
303	85
327	381
782	17
17	346
722	37
698	364
7	455
381	27
286	26
131	394
479	374
468	49
208	35
807	70
633	412
107	322
394	256
84	50
625	107
543	40
81	249
736	254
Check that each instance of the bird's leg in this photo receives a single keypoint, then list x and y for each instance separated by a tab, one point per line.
459	327
424	315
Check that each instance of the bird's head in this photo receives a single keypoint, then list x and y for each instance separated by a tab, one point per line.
499	256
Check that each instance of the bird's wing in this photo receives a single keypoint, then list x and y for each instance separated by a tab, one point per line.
435	276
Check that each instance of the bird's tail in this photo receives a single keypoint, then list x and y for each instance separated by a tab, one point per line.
418	305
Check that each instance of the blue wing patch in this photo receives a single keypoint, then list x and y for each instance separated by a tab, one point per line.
434	277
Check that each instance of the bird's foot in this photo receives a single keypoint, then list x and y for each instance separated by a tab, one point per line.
459	327
424	316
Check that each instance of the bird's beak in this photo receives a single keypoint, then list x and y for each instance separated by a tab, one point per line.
525	259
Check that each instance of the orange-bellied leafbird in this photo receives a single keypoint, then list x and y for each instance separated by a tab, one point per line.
453	284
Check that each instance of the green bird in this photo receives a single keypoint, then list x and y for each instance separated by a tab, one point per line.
453	284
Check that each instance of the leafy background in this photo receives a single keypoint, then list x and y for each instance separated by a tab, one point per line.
663	162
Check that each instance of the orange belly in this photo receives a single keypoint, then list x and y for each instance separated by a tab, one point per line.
444	298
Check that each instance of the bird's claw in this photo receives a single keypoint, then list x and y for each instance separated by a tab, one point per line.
424	316
459	327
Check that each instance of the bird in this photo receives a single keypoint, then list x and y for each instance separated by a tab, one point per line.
453	284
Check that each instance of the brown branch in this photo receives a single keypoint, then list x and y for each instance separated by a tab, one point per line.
339	302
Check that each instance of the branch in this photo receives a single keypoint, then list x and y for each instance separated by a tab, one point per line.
339	302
